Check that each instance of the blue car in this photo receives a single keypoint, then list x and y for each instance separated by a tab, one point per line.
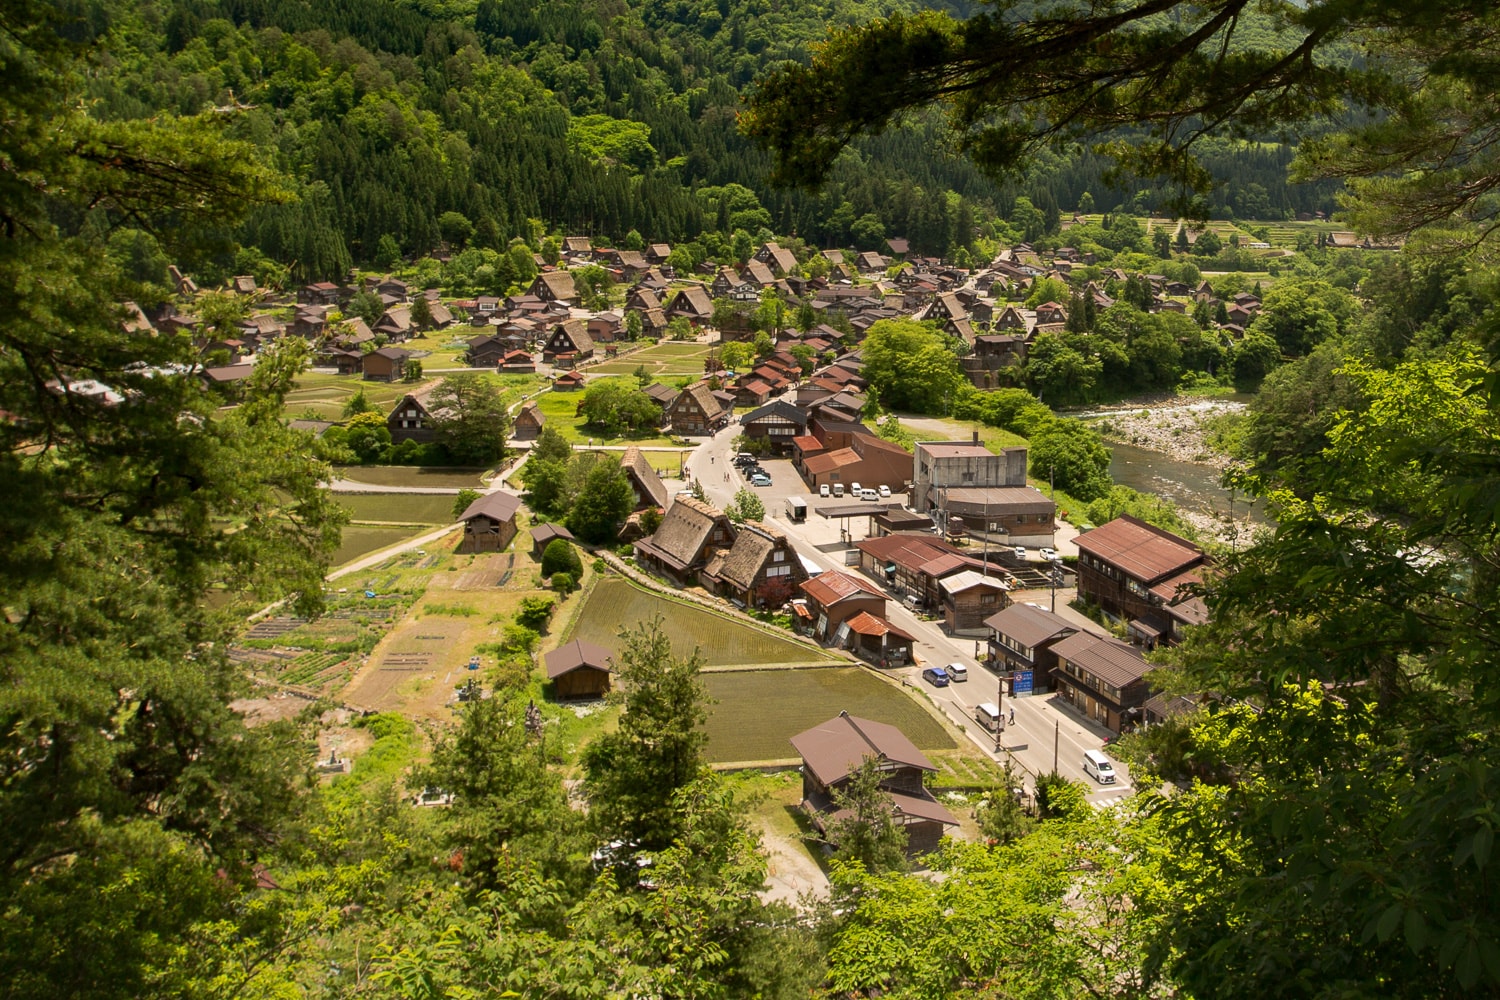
760	479
936	676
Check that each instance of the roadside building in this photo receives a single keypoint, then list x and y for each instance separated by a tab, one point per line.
939	465
1014	515
833	751
1021	639
968	598
1103	678
834	597
1145	575
760	570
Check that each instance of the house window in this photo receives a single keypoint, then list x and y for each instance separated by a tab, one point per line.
778	571
778	556
986	599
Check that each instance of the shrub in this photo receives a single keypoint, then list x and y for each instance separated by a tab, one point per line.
535	611
561	557
563	583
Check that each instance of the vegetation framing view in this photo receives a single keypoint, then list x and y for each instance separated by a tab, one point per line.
627	499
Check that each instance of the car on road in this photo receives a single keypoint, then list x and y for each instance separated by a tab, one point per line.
885	491
760	479
957	672
1021	552
936	676
868	495
824	491
1048	555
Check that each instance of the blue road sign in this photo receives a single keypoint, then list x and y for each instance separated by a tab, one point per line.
1023	682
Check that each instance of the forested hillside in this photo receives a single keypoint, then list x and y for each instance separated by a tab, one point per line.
579	117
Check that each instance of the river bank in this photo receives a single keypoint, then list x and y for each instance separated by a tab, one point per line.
1176	426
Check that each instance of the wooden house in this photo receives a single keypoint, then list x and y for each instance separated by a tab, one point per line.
544	535
490	522
1021	639
568	344
696	411
486	351
833	751
529	421
693	303
554	286
413	418
968	598
647	486
385	364
1102	677
761	569
834	597
690	533
1143	574
579	669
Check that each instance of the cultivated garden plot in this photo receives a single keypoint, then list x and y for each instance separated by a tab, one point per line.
756	712
362	539
616	603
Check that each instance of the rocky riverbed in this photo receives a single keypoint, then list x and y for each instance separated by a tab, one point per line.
1176	427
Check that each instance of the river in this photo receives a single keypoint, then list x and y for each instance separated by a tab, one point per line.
1190	485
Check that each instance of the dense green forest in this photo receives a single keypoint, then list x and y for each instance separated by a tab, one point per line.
575	117
1321	825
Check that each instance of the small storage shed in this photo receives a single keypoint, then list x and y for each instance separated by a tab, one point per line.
579	669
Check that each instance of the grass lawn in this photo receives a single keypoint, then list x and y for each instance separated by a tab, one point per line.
993	438
666	362
399	508
617	602
758	711
436	477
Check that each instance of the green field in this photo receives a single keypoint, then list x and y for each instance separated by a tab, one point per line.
435	477
325	395
666	362
360	540
400	508
560	411
758	711
616	603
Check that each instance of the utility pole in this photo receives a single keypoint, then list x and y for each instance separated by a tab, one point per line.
1056	727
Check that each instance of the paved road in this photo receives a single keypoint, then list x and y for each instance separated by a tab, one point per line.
1041	720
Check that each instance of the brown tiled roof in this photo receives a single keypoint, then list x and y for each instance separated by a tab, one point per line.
807	442
1021	499
910	550
544	533
835	748
1140	550
818	464
499	505
573	655
867	624
662	394
634	462
1112	661
1028	626
921	806
830	587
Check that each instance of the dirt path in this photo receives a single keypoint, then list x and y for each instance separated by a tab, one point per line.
790	872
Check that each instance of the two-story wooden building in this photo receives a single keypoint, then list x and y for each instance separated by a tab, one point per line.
1021	639
833	598
490	522
833	751
695	411
1143	574
761	569
1102	677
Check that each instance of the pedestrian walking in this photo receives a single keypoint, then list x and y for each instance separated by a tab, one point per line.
1012	715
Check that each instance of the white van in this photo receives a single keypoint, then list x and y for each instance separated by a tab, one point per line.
1098	765
957	672
988	716
838	489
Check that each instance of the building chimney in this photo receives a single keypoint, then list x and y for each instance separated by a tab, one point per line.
976	437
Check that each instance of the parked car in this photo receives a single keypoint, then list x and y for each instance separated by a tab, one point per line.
868	495
1021	552
760	479
744	458
1048	555
957	672
838	489
824	491
885	491
936	676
